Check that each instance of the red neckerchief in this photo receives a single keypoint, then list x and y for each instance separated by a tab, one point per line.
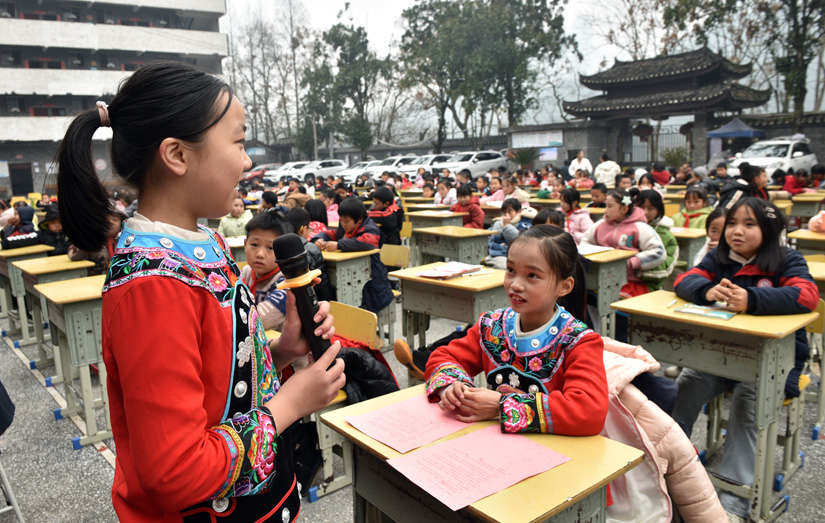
689	216
355	231
253	286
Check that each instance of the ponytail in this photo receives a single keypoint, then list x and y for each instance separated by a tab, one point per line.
84	203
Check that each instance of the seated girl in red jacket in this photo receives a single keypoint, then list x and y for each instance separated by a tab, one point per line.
469	204
544	367
750	271
796	183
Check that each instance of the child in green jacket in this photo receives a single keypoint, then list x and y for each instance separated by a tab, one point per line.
696	210
650	201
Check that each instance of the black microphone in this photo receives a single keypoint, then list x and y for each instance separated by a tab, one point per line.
292	260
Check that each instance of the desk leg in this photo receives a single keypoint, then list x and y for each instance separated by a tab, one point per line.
24	323
68	373
4	305
43	359
13	329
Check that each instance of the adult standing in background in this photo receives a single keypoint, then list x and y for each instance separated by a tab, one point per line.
606	171
580	162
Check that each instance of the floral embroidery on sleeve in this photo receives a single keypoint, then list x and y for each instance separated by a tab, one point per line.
525	413
445	375
253	444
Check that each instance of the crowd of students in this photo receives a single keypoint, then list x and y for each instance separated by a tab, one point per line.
224	401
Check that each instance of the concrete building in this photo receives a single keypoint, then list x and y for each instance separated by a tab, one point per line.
59	57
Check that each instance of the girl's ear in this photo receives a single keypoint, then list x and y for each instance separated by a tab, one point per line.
173	155
565	286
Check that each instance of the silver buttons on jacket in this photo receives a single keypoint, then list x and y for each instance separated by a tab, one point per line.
200	253
499	379
217	250
237	415
533	389
285	515
534	343
220	504
166	242
129	240
240	389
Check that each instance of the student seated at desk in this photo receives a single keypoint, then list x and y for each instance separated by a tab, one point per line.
511	190
650	201
357	232
445	193
696	211
578	220
752	272
625	227
51	232
483	186
330	201
796	182
598	194
19	231
496	193
555	190
45	201
428	190
545	366
234	223
514	219
387	215
713	227
469	204
317	213
552	217
751	182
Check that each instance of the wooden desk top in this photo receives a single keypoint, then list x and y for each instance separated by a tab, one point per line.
25	251
426	206
411	191
655	304
254	206
336	256
453	231
610	256
817	270
482	282
595	461
808	197
72	291
544	201
419	199
437	214
782	204
688	233
807	234
594	210
51	264
235	242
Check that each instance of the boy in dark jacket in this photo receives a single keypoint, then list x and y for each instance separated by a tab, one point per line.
357	232
20	230
386	213
51	232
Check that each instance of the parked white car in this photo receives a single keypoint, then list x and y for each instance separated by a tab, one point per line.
273	175
425	161
789	153
312	170
351	173
391	164
478	163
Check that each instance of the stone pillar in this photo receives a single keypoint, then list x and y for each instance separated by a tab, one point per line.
699	138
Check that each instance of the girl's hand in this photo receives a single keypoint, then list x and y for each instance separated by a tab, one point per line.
719	292
479	405
738	301
292	344
713	245
321	244
308	390
453	396
331	246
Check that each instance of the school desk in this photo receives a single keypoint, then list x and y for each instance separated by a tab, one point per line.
541	203
606	274
213	223
408	193
784	206
690	242
746	348
413	207
74	312
806	204
348	272
236	246
431	218
596	213
46	270
462	299
461	244
491	212
807	241
419	199
674	189
574	491
11	279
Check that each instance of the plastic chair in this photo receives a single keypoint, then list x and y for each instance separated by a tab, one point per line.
11	501
406	230
361	326
671	209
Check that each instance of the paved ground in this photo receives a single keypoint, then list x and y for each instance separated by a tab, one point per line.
54	483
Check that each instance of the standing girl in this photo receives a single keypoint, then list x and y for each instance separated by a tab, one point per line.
198	413
544	367
752	272
578	220
625	227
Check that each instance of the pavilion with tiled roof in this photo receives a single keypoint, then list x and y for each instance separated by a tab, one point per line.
686	83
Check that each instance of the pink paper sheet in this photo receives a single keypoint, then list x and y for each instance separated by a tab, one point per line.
466	469
407	425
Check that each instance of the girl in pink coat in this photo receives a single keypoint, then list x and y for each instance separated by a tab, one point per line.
578	220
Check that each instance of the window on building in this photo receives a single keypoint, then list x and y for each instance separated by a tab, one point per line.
7	10
76	61
109	61
9	58
136	22
106	16
39	15
71	15
48	111
134	66
79	105
163	21
14	104
44	63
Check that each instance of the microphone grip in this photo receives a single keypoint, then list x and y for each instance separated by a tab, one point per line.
307	304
